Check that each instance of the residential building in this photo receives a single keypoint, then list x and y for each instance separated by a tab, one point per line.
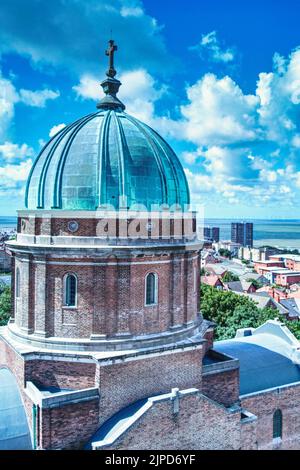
5	260
213	281
215	234
216	269
207	233
255	276
262	300
242	233
293	308
241	286
211	234
290	261
286	277
227	245
208	257
255	254
261	266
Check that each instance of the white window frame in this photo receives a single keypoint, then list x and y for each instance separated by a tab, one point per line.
155	289
65	291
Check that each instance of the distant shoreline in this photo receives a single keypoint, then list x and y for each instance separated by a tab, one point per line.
279	233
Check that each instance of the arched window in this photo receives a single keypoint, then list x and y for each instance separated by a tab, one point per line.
151	289
18	281
70	290
277	424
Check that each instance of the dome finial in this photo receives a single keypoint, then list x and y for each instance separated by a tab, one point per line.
111	85
111	72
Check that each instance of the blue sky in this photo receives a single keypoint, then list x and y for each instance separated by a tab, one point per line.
220	80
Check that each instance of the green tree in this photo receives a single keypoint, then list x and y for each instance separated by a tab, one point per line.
255	282
224	252
231	311
5	305
229	277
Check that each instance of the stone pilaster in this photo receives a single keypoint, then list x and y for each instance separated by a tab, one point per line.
123	299
40	328
25	293
177	291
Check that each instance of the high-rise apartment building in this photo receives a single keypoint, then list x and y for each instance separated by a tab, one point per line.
211	233
242	233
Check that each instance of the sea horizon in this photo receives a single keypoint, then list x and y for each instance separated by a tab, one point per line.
277	232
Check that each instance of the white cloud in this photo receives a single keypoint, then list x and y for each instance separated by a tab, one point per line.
218	112
211	45
55	129
269	176
11	175
138	92
199	182
131	11
11	151
296	141
75	37
279	93
190	157
37	98
284	189
88	88
8	98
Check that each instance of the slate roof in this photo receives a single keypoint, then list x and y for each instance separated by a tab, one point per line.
239	286
14	430
261	367
292	307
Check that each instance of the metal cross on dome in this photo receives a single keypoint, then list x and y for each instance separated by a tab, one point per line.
110	52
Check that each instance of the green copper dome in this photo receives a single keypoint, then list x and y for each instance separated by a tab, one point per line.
106	158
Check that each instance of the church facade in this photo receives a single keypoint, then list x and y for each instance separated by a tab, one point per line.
106	347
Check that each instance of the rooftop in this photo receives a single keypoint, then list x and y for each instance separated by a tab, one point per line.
292	306
14	429
267	262
290	273
286	256
269	358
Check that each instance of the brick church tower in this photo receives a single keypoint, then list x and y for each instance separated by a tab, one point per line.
105	282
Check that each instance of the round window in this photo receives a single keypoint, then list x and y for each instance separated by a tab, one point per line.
73	226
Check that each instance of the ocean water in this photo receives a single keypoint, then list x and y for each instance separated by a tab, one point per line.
280	233
8	222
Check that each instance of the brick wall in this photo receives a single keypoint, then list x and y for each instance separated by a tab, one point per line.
111	297
61	374
222	387
209	336
263	405
68	427
125	383
285	280
112	227
248	435
200	424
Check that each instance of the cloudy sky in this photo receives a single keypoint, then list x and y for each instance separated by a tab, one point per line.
220	80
